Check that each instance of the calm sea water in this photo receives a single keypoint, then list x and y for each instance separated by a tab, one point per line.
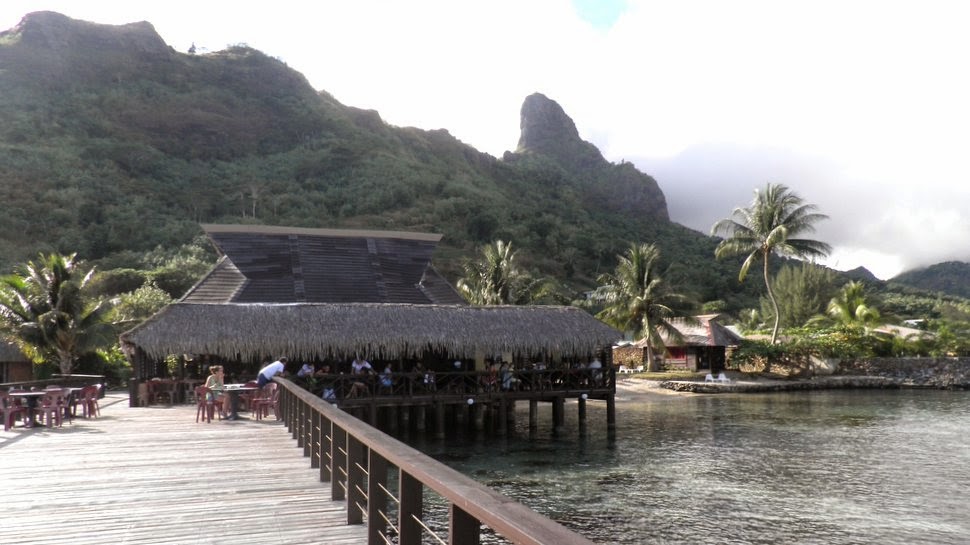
839	467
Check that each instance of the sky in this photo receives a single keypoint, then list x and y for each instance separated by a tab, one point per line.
860	107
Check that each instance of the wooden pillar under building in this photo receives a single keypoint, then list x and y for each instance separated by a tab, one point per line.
581	413
503	417
392	418
419	417
610	412
374	411
558	414
478	411
439	420
510	414
533	414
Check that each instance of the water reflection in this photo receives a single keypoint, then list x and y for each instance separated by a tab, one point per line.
807	467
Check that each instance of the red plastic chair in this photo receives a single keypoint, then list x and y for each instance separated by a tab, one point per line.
54	406
87	398
11	409
269	397
205	404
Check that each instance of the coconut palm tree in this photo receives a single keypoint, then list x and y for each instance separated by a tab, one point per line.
45	311
637	299
851	307
772	224
496	280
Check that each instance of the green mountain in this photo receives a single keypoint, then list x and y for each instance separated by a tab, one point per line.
113	145
951	277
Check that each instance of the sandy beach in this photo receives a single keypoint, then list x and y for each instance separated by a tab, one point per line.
632	389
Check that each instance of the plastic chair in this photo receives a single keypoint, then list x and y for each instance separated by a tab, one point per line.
722	378
246	398
204	406
11	409
87	398
269	398
53	407
709	378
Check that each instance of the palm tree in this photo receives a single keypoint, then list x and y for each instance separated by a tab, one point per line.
770	225
851	307
496	280
637	299
45	312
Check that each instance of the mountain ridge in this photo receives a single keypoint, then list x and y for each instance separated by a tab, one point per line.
116	146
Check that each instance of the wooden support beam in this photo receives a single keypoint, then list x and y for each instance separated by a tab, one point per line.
465	529
410	510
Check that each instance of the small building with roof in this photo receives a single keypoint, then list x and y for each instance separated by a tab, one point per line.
704	345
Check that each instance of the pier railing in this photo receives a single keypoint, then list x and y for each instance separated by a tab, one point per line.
383	482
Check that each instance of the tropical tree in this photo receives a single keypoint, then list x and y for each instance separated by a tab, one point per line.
852	308
44	310
636	299
495	279
772	224
802	292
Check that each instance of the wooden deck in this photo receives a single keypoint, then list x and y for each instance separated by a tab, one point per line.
153	475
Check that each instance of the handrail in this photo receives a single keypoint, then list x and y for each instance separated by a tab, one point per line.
343	447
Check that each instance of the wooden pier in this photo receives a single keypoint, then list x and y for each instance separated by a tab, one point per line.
139	476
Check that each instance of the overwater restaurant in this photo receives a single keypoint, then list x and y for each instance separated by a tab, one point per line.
324	296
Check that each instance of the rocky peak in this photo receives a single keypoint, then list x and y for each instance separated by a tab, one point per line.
548	131
47	30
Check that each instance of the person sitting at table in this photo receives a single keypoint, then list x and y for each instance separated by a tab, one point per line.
267	373
363	374
306	371
386	379
216	385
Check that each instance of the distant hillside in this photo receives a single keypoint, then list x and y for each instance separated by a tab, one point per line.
114	145
951	277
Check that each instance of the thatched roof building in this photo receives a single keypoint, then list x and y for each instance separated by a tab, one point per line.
310	331
318	293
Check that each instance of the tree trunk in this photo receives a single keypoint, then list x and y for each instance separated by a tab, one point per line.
771	297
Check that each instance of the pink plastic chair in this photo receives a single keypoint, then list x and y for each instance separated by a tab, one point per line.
53	406
11	408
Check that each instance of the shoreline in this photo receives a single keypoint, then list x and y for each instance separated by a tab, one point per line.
632	389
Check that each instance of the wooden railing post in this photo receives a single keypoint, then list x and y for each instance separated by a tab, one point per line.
326	461
376	497
411	510
313	445
465	529
356	497
338	464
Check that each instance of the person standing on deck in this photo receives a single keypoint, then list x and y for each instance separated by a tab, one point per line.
267	373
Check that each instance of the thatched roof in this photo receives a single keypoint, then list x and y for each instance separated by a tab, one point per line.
703	330
308	330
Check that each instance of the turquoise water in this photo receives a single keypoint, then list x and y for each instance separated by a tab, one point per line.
839	467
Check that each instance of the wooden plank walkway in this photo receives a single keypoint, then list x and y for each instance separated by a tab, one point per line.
153	475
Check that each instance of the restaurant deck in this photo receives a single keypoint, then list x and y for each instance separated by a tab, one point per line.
153	475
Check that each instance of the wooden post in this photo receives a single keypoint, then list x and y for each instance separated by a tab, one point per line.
478	410
338	455
392	419
465	529
420	418
533	414
410	510
356	499
581	402
503	417
610	412
558	414
374	411
439	420
313	447
376	497
326	450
